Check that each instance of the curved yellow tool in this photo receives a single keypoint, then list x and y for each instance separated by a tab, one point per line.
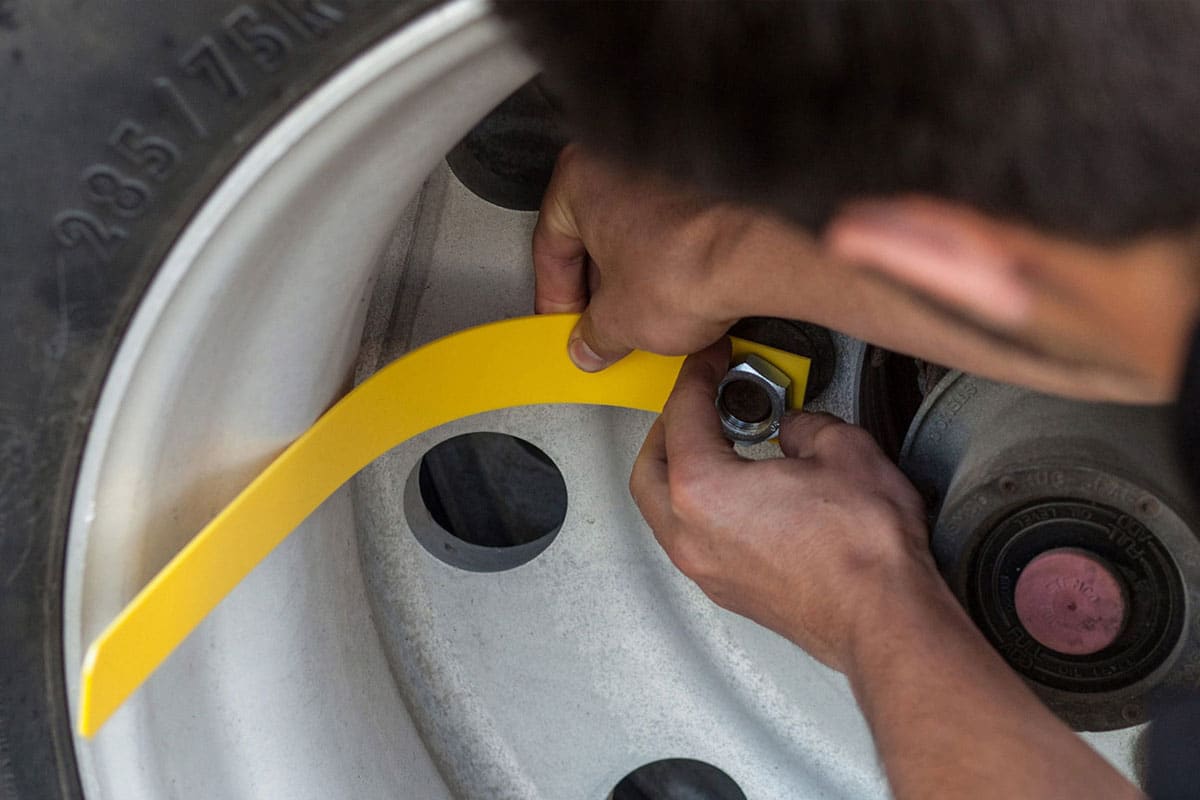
512	363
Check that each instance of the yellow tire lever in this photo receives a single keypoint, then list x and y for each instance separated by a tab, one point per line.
516	362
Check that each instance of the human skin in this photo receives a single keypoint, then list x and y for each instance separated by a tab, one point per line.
827	546
654	266
837	556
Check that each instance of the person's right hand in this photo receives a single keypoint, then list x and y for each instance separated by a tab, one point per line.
644	272
814	545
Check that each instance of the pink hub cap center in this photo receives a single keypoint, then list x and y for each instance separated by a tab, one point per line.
1070	602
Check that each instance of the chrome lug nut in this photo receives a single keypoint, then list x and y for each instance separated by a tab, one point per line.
752	399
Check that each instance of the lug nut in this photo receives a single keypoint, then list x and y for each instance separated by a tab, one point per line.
752	399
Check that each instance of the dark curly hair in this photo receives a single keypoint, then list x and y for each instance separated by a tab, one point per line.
1082	118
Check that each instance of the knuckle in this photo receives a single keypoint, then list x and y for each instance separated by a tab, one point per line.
896	489
858	438
569	152
571	159
658	339
643	489
637	481
841	438
687	559
879	514
691	494
831	437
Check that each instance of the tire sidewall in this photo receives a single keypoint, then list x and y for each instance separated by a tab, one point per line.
120	118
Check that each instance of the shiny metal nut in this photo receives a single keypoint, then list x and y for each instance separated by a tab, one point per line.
752	399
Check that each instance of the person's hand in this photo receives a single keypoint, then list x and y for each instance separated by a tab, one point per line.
637	255
808	545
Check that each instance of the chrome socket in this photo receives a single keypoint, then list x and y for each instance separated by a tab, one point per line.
752	399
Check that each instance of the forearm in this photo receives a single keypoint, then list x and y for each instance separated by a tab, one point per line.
838	561
951	719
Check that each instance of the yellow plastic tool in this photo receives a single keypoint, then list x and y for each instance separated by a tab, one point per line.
517	362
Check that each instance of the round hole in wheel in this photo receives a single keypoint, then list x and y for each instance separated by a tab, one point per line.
677	779
486	501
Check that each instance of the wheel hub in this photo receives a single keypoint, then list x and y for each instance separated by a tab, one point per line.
1066	533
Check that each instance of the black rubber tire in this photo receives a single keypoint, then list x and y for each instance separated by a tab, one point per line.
86	94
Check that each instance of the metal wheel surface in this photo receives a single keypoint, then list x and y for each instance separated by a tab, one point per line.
358	660
353	663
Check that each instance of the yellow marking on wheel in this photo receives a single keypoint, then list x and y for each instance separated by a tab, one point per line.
517	362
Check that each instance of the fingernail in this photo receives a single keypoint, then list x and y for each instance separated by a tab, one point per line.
584	357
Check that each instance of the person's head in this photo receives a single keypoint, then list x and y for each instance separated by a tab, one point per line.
1033	167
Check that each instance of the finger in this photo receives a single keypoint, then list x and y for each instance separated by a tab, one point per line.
596	342
559	253
896	487
593	277
694	439
648	481
798	432
908	499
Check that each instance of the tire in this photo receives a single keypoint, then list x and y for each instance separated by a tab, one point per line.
123	120
110	185
120	118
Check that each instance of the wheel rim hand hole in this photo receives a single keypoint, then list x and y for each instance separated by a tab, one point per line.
677	779
486	501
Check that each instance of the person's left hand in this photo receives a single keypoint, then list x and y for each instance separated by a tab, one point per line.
809	545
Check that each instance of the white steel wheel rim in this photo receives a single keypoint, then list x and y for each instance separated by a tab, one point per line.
297	685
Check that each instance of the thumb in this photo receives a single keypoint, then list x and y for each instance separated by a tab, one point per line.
592	345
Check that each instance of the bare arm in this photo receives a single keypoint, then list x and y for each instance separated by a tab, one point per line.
950	719
654	266
828	547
